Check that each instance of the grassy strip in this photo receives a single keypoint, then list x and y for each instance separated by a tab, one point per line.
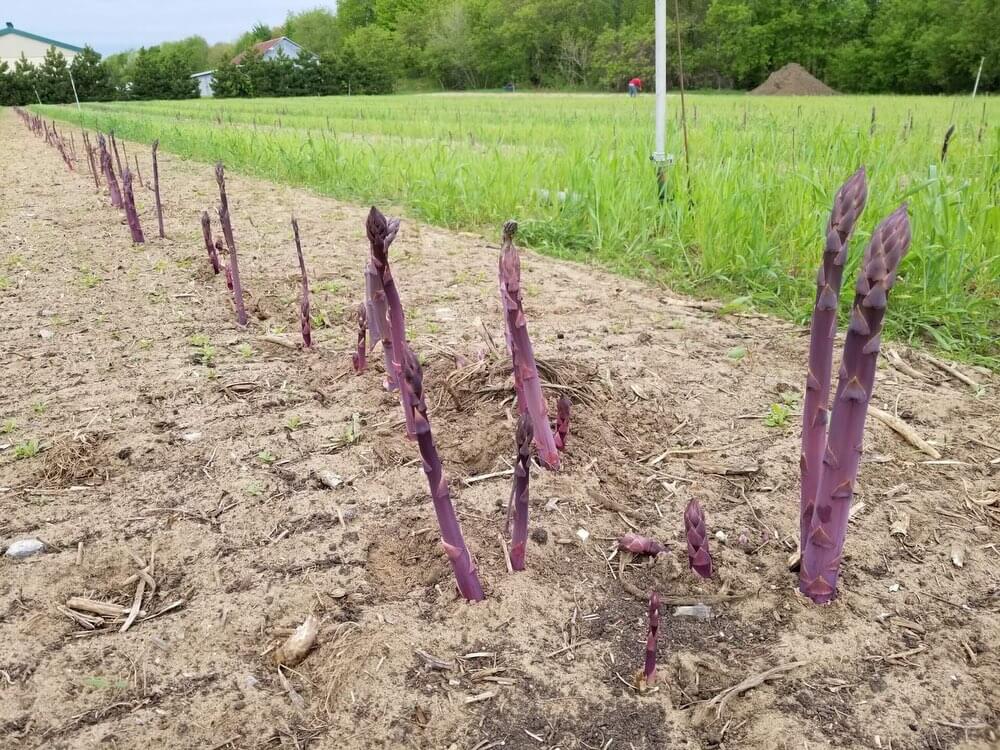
746	222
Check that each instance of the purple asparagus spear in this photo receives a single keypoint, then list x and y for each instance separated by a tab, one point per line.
206	230
640	545
824	545
304	320
519	494
233	268
451	531
131	215
118	159
649	668
699	557
156	186
360	360
527	384
381	233
562	421
377	315
109	172
847	206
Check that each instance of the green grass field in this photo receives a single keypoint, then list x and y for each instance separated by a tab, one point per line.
744	223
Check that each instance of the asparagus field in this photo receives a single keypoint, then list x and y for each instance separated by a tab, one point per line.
740	215
281	471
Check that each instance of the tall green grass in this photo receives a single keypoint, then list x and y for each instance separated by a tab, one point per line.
746	221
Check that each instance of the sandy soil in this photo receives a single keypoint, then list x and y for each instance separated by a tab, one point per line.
220	467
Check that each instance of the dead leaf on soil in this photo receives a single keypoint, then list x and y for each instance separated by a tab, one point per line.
901	525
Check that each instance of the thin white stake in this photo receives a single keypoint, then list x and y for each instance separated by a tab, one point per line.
976	87
73	84
660	150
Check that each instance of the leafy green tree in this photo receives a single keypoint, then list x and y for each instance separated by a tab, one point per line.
92	77
53	82
317	30
370	70
260	32
622	54
23	82
905	46
219	54
230	81
354	14
155	74
7	98
193	50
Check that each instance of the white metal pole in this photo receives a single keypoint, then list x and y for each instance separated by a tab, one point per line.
976	87
660	151
73	84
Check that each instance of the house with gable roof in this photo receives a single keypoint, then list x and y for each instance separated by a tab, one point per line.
268	50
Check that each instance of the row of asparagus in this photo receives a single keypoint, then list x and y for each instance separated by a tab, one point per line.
832	435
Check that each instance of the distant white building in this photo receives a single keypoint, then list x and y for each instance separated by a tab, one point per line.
205	80
267	50
14	43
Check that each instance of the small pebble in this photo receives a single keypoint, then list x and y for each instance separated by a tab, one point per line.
25	548
721	536
698	611
329	479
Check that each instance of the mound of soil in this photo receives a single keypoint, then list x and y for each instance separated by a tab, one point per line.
793	80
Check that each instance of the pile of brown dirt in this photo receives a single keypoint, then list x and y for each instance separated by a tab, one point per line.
793	80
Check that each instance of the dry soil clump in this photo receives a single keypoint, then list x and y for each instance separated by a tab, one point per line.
793	80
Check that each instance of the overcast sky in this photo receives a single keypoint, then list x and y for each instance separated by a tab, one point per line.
115	25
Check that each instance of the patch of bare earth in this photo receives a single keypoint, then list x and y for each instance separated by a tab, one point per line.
224	470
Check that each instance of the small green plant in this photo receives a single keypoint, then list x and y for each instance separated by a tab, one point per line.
103	683
204	355
321	319
39	407
4	283
26	449
245	350
327	286
737	353
9	425
293	423
266	457
160	266
777	415
145	344
198	339
88	280
254	488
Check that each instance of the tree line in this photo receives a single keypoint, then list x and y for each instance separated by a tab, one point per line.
895	46
367	46
153	74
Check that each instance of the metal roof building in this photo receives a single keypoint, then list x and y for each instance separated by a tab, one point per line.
14	43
